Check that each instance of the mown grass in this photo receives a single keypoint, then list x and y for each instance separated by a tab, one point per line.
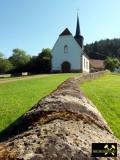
104	92
19	96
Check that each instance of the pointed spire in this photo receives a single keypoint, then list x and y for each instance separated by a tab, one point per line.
78	37
77	27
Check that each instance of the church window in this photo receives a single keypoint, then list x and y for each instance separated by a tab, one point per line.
65	49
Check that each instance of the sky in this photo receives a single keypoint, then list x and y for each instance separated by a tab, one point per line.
32	25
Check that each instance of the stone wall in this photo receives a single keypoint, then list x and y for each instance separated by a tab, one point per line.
92	76
62	126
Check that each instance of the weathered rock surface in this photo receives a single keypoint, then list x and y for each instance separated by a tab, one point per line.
62	126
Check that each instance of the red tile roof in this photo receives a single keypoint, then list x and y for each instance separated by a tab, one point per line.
98	64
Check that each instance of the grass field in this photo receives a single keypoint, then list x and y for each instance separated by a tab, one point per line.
104	92
16	97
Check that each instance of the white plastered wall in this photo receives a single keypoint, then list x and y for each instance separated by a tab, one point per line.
85	64
73	56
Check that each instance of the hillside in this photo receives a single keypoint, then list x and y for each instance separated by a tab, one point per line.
104	48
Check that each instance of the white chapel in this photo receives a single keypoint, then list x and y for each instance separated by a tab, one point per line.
68	52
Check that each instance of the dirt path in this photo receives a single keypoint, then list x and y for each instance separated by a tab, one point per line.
22	78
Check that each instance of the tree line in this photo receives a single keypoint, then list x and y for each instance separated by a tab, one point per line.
20	61
108	50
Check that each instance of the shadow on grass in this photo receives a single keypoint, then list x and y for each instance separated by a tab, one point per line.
15	128
24	123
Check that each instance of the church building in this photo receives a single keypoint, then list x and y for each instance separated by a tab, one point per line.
68	52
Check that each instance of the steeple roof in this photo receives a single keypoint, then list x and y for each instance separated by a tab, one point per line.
77	27
66	32
78	37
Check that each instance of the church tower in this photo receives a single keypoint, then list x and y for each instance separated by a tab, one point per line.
79	38
68	54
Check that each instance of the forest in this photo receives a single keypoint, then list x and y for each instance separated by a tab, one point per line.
103	49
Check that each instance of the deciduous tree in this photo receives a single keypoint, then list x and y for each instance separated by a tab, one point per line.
19	59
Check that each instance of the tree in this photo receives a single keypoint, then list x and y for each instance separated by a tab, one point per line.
112	63
103	49
31	66
118	52
19	59
43	61
40	63
5	66
1	55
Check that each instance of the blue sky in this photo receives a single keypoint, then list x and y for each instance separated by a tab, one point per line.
35	24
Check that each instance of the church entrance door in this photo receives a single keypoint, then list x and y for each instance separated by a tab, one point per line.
65	67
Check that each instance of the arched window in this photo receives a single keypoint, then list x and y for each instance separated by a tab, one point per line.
65	49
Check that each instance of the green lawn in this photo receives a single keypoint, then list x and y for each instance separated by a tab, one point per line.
104	92
19	96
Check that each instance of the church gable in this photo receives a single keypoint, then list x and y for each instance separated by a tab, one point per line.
67	52
66	49
64	36
66	42
66	32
